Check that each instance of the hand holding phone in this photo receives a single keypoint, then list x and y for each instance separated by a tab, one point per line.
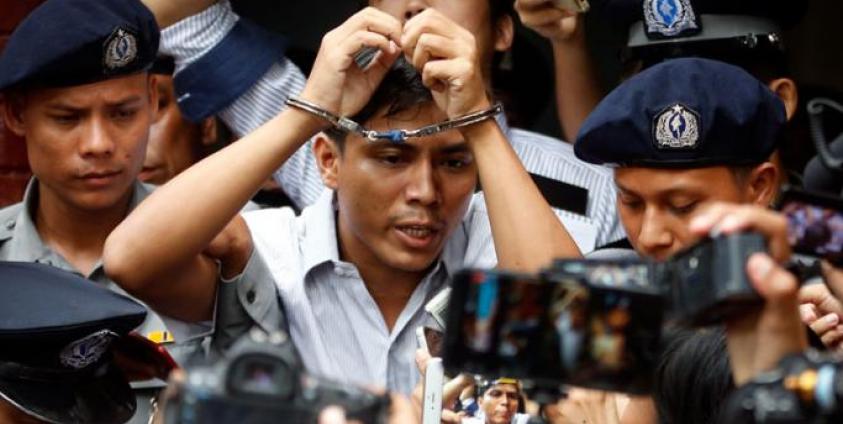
434	381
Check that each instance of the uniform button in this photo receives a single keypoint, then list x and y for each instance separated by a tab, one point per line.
250	296
10	225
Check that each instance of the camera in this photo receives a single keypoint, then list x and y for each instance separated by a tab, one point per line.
707	283
593	323
261	381
805	388
556	327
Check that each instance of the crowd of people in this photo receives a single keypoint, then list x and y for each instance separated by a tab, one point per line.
150	125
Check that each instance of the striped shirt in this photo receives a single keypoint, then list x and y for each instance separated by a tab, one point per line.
542	156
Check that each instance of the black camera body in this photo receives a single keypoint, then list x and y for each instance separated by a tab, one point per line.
804	388
708	283
556	328
261	381
593	323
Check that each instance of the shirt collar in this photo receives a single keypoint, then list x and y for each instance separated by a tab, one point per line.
30	246
320	243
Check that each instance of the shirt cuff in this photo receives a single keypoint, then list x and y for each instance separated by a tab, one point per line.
191	38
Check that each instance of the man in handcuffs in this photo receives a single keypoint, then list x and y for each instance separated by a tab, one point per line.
354	270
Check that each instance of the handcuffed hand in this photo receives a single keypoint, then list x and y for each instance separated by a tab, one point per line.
336	83
446	55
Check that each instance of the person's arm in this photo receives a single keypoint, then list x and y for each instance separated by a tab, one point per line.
154	252
527	236
234	69
758	340
577	89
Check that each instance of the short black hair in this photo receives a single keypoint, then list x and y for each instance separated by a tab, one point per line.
401	90
693	377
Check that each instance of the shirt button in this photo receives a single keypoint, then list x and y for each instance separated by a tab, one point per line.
10	225
250	296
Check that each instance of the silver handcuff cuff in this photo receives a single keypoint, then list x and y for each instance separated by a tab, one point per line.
393	136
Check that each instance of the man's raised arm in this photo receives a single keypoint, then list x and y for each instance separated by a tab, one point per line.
526	232
156	253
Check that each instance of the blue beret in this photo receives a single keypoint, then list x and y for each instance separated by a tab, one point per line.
660	21
73	42
684	113
58	331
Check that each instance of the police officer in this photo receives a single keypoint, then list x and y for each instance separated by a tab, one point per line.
67	351
696	133
74	75
746	33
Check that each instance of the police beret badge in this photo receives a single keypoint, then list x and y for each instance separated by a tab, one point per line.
676	127
87	350
670	18
121	48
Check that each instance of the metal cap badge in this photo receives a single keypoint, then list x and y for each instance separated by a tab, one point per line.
670	18
676	127
121	48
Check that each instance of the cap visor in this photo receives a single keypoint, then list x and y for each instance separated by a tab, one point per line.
103	399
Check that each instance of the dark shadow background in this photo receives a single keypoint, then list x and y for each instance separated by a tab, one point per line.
815	54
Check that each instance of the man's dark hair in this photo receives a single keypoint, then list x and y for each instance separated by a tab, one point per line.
401	90
693	377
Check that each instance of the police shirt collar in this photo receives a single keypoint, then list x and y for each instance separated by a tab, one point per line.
30	246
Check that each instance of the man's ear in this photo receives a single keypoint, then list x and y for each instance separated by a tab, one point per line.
208	127
786	89
12	110
504	33
328	157
763	184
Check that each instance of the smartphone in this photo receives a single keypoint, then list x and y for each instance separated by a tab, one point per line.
815	224
575	6
434	381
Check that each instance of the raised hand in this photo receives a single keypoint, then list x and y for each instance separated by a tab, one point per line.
336	83
543	17
446	55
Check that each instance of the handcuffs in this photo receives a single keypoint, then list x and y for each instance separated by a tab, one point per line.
393	136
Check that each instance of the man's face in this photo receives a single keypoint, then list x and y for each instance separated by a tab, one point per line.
86	143
174	142
656	205
398	203
500	403
473	15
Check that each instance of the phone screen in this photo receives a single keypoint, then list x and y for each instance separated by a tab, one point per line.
815	225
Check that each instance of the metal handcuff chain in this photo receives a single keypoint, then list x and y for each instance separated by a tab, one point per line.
393	136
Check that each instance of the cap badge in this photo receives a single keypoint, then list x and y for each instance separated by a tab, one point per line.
669	18
677	127
87	350
121	48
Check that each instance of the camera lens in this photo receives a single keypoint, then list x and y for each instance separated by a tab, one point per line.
261	375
